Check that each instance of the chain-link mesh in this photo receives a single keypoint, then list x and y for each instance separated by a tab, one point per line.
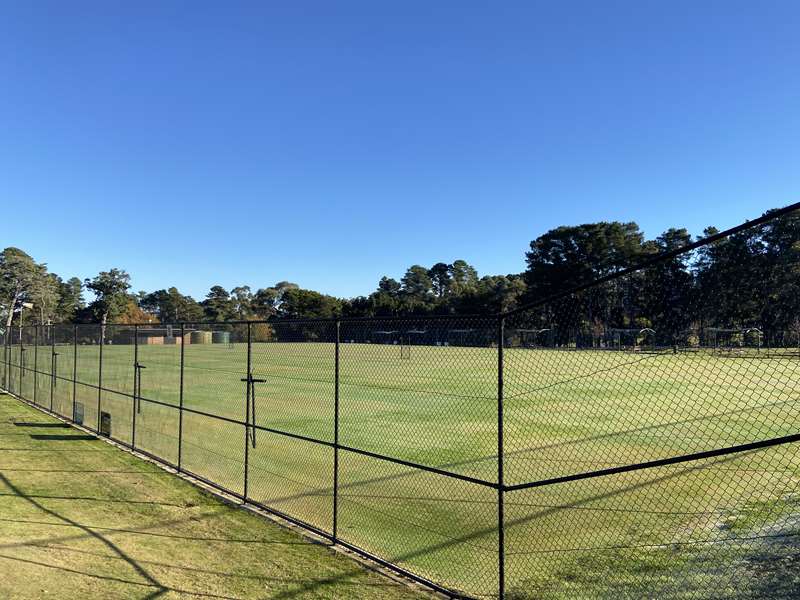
614	398
391	399
12	351
634	437
404	395
116	397
713	528
214	396
4	339
441	528
27	348
42	363
87	391
293	394
158	395
62	364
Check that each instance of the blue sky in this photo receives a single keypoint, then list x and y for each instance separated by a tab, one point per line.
329	143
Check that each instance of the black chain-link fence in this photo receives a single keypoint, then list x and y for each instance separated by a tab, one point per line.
636	436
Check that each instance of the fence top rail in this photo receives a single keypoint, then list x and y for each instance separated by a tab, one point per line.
658	258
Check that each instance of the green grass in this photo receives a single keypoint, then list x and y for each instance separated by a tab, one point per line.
80	519
565	412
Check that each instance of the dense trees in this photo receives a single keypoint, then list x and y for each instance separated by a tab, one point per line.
70	300
578	254
299	303
748	279
170	306
18	276
111	298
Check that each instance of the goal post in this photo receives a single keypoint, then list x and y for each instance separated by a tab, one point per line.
752	342
411	337
631	339
536	338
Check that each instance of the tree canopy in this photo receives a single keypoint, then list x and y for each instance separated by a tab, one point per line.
753	278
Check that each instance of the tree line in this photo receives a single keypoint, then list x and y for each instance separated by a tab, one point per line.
753	278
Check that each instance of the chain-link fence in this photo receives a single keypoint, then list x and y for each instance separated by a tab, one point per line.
635	436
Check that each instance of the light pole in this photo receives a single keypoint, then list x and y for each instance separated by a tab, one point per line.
22	307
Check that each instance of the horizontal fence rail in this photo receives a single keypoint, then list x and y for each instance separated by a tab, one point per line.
628	437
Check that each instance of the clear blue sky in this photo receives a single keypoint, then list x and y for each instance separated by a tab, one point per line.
329	143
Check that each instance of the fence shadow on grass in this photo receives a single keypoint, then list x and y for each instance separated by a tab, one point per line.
93	499
137	568
62	438
56	543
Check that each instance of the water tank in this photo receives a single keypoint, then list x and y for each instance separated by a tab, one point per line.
221	337
200	337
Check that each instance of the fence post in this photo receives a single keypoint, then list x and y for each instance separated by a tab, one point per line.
53	363
5	359
74	368
100	375
7	371
336	433
501	542
36	362
136	375
21	360
248	391
180	400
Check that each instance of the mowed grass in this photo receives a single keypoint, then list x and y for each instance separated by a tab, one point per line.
566	412
81	519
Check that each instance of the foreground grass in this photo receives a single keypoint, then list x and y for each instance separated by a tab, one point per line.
694	530
81	519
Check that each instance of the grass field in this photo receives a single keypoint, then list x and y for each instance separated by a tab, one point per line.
80	519
657	530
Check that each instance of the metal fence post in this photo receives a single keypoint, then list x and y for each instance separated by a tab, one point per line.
5	359
100	375
336	433
136	375
180	400
21	360
248	391
53	363
501	542
36	362
74	368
